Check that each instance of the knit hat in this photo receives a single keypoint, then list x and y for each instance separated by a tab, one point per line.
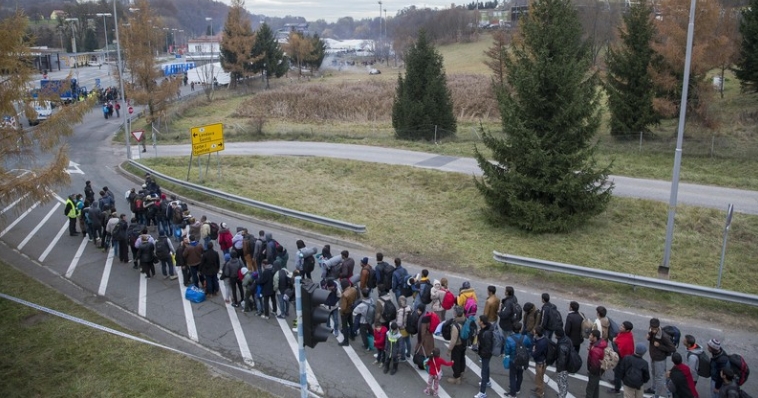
393	325
364	260
437	282
458	310
466	285
227	256
640	349
714	344
244	271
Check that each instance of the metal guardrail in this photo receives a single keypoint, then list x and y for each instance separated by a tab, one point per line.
256	204
629	279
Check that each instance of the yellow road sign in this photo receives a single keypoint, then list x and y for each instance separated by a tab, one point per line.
207	139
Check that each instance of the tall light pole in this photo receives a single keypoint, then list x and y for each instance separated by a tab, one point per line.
663	270
105	29
380	19
209	19
121	83
73	33
165	33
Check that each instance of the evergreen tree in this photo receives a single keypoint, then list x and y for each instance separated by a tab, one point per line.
747	65
318	53
268	54
423	106
545	178
629	84
90	41
237	43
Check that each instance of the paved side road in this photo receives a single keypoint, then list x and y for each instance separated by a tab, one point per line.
744	201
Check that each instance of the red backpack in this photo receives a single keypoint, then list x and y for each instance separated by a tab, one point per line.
449	300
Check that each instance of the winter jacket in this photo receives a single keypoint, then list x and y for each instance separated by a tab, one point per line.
266	281
210	262
486	341
119	232
194	230
347	300
380	337
378	318
398	278
464	295
224	239
231	269
437	294
680	382
602	324
281	278
193	254
506	314
180	256
719	362
455	329
491	305
425	337
95	216
544	321
110	224
381	269
361	309
573	327
693	360
237	240
539	350
365	272
625	343
532	318
435	363
730	390
595	357
665	346
564	352
346	268
270	248
392	346
205	230
146	253
634	371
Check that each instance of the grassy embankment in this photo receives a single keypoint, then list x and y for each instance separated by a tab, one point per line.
47	356
439	220
353	107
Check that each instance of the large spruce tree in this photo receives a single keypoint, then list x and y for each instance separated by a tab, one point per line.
747	64
629	84
423	106
545	177
268	54
237	43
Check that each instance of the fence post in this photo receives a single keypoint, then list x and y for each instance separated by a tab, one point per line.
640	141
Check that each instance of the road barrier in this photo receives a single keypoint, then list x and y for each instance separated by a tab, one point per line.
256	204
629	279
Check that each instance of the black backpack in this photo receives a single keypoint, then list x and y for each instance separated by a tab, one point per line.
447	329
389	312
552	352
309	264
703	364
371	278
554	319
161	248
387	277
521	359
411	324
426	293
214	231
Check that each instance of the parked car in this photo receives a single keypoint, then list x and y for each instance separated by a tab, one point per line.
373	71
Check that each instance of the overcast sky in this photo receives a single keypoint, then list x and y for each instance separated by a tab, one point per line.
331	10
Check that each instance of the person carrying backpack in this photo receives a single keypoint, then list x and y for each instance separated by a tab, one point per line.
367	276
456	348
384	273
386	311
510	312
730	388
423	289
399	280
719	362
634	372
539	354
403	312
486	341
467	299
565	349
594	360
551	317
347	300
438	295
679	379
361	315
163	250
660	348
697	359
517	347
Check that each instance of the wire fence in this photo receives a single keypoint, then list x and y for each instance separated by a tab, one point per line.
713	146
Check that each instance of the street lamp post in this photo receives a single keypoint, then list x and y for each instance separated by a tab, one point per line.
380	19
165	33
105	30
121	83
73	33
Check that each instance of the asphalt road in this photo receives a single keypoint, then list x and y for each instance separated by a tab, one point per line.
36	240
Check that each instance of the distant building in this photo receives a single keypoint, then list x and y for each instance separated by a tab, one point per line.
204	48
57	14
282	35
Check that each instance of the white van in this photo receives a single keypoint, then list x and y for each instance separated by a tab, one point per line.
43	110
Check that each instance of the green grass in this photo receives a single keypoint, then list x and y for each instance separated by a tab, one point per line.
439	220
47	356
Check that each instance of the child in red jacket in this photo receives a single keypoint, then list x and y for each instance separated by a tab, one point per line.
380	338
435	373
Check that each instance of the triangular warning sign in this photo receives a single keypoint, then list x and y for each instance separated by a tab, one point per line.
137	134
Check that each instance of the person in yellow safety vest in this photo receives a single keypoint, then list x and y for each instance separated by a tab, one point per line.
71	212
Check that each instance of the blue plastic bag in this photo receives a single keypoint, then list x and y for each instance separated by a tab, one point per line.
194	294
507	362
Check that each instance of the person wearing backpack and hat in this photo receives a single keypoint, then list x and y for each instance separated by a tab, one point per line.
437	295
634	372
516	373
403	310
694	353
719	362
467	295
660	348
456	348
393	348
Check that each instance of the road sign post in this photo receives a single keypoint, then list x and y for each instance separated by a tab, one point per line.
729	213
131	110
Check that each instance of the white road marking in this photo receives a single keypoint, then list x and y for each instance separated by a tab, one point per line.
292	341
188	316
365	373
107	271
37	228
478	371
53	242
550	382
10	206
247	356
18	220
77	256
142	303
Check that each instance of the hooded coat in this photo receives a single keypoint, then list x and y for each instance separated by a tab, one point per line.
224	239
